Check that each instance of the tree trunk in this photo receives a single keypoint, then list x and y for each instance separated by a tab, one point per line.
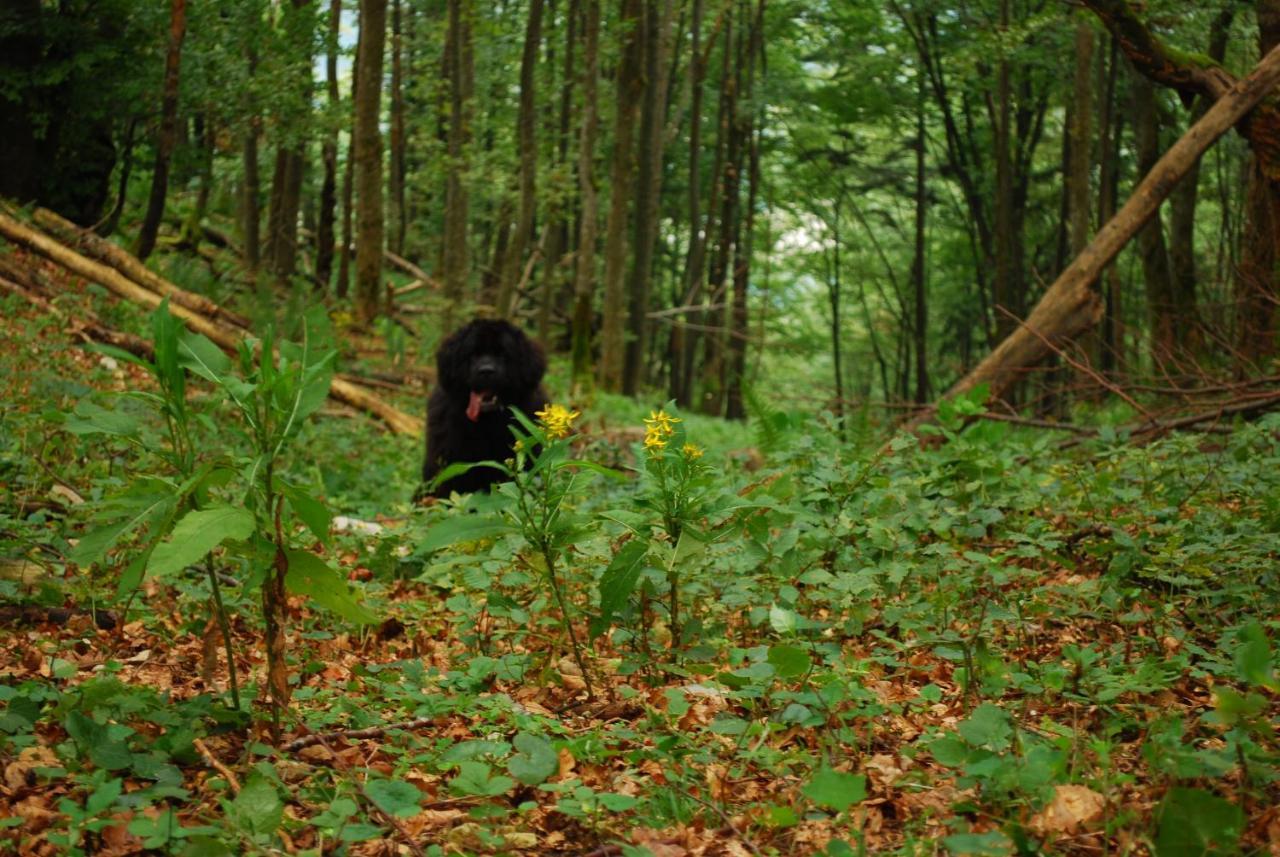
168	130
1257	276
1006	291
329	186
678	344
744	232
658	23
918	275
348	179
368	160
397	160
112	221
527	142
1071	305
1079	181
558	249
1151	244
1111	347
457	55
585	277
631	87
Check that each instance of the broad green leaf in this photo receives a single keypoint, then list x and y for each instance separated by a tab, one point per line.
1194	823
198	532
310	511
789	661
473	779
835	789
535	759
782	620
394	797
258	808
103	796
988	726
618	582
89	418
311	576
993	843
145	504
1253	660
463	528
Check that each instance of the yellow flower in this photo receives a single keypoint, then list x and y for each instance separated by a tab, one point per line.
654	441
692	452
557	420
661	421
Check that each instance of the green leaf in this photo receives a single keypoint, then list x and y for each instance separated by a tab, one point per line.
103	796
198	532
535	760
782	620
311	576
144	504
463	528
258	808
394	797
988	726
835	789
310	511
949	751
789	661
473	779
990	844
1194	823
111	755
1253	660
618	582
89	418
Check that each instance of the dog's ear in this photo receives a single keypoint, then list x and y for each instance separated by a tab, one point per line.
452	358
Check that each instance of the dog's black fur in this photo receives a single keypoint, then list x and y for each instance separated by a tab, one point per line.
483	369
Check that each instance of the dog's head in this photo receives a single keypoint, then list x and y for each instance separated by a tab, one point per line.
489	364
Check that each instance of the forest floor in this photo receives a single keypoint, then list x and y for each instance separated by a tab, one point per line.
995	646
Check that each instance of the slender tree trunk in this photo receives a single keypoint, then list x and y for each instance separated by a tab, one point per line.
1111	357
1081	161
527	142
168	130
692	281
368	160
1151	244
348	177
112	221
585	279
396	183
740	319
1005	290
658	22
329	186
455	255
630	93
553	273
918	272
834	289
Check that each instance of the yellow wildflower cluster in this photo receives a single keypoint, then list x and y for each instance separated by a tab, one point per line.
692	452
557	420
657	428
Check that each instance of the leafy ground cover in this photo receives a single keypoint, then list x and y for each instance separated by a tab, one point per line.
667	636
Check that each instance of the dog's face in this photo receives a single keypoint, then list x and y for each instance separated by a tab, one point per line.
489	364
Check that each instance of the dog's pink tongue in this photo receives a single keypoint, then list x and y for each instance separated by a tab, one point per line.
473	406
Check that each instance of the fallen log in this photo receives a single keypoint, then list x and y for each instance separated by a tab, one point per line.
102	250
1072	305
88	328
226	337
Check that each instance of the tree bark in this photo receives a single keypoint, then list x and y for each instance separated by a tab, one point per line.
630	93
329	185
678	345
457	56
658	21
527	143
585	277
397	161
168	135
112	221
1156	273
348	180
1072	304
1006	291
368	161
919	279
558	248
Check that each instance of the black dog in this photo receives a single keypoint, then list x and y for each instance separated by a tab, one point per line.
482	371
